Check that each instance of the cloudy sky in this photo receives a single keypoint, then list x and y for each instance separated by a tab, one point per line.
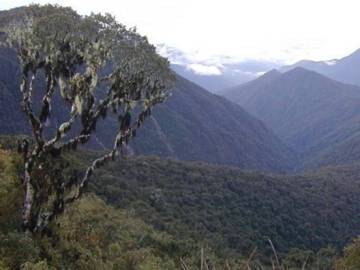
277	30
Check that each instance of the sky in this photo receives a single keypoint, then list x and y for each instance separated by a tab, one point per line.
283	31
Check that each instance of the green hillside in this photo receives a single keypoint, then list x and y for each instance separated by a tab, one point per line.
90	235
235	209
153	211
264	179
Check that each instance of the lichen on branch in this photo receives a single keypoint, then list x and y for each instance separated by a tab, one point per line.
98	67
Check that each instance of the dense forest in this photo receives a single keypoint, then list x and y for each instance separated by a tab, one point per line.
110	160
148	213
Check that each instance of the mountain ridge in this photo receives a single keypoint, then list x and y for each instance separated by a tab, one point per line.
344	69
307	110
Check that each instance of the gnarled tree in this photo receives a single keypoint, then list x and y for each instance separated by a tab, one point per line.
98	67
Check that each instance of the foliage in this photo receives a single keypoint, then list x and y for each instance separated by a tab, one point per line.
90	235
94	235
233	210
96	65
322	260
351	257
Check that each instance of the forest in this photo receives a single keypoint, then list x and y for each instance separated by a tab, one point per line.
109	159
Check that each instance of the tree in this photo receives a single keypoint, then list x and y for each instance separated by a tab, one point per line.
97	67
351	257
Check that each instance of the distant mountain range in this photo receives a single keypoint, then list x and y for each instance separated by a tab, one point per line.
222	73
217	73
192	125
317	116
345	70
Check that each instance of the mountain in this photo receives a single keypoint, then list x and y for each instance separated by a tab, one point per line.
197	125
214	73
344	70
192	125
317	116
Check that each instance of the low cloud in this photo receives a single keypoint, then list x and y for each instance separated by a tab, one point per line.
216	65
201	69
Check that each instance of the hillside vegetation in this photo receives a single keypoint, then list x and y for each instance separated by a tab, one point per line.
90	235
318	117
201	187
158	211
235	209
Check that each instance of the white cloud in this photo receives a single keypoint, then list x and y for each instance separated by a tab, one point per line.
204	70
281	30
331	62
258	74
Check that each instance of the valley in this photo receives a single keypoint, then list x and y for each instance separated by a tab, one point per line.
117	154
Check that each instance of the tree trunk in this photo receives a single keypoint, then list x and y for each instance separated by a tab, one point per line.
28	201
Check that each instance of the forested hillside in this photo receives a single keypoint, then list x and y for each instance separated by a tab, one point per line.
109	160
90	235
318	117
235	209
160	210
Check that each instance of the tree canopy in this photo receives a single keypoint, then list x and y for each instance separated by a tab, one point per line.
97	66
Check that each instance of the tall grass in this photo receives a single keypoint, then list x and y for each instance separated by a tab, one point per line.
248	264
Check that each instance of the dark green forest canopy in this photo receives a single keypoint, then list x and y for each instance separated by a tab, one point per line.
90	235
186	206
237	210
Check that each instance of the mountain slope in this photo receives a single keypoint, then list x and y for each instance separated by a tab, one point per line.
235	210
315	115
188	205
202	126
344	70
192	125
